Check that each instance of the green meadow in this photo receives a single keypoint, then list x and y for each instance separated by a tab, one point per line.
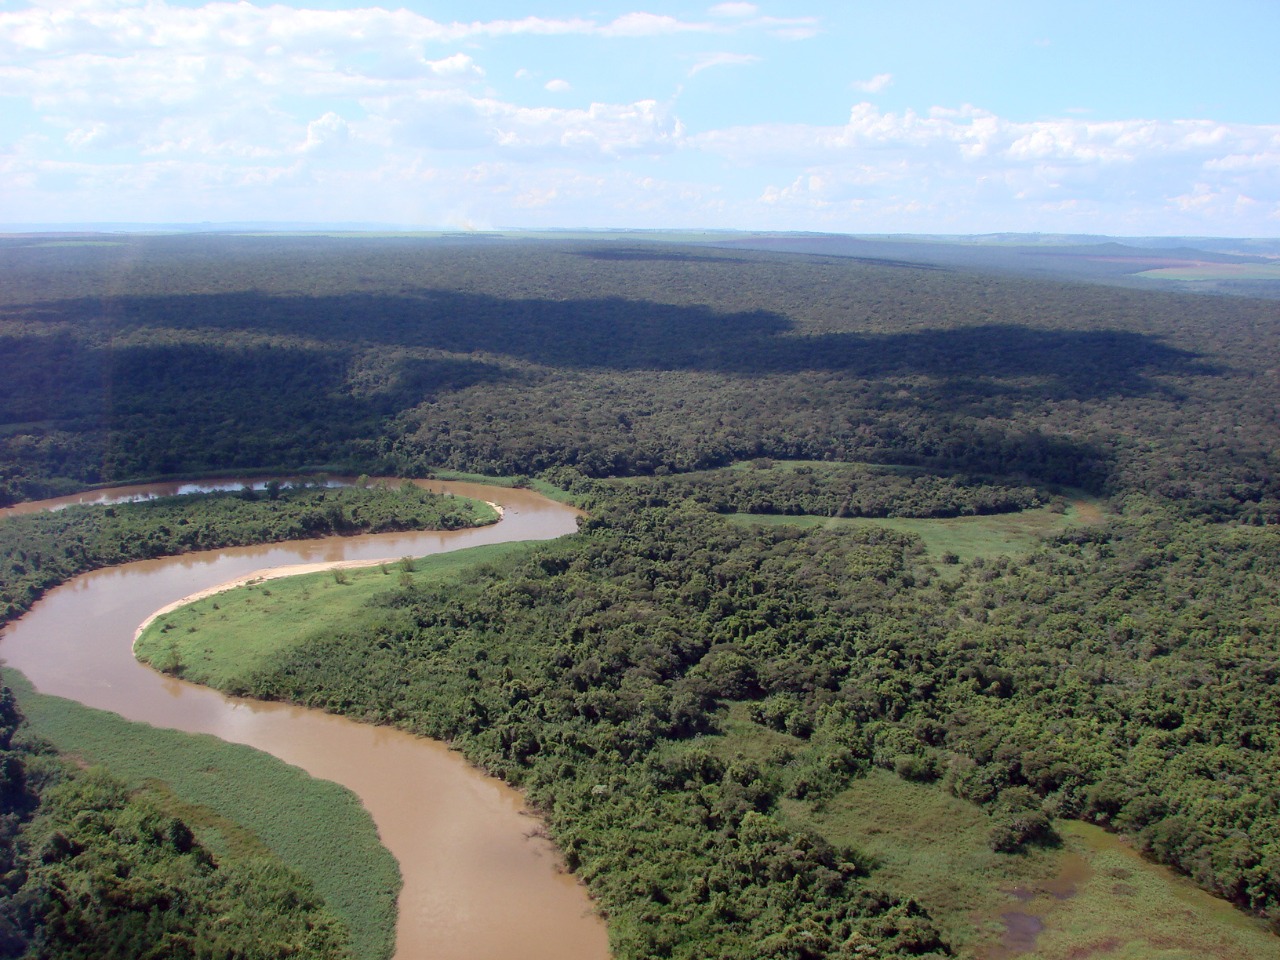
1092	896
960	539
221	640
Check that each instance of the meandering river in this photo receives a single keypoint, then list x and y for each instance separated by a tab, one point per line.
477	886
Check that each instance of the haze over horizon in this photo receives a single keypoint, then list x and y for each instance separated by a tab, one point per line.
1138	119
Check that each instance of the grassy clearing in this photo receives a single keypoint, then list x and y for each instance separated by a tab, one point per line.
240	801
222	639
930	846
959	539
1123	908
1216	271
965	538
1092	897
744	738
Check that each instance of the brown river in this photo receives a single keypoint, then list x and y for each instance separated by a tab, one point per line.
477	886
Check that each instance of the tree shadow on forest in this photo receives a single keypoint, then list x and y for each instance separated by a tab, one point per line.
633	335
635	253
59	377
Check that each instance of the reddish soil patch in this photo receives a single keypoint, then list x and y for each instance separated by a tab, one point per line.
1087	512
1150	263
1109	945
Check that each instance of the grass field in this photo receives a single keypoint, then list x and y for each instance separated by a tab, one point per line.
240	802
1216	271
221	639
964	537
1093	896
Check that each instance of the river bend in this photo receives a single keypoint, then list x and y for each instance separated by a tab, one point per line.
477	885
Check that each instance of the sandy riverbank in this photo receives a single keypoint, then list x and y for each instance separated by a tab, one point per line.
275	573
270	573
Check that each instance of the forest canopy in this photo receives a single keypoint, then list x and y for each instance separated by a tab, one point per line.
1121	673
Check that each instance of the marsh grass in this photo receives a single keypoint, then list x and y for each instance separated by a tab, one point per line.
1094	894
548	490
1125	908
240	801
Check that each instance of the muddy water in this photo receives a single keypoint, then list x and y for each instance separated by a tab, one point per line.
477	886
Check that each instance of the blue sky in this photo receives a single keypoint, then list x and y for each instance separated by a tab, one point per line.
1127	118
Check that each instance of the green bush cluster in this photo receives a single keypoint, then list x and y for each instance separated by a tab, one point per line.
843	490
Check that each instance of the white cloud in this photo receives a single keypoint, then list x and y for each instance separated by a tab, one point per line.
650	25
1261	162
85	136
970	134
451	121
1062	171
458	65
326	132
148	102
706	61
734	10
789	28
119	28
876	84
86	62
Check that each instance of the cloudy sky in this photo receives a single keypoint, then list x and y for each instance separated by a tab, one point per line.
1125	117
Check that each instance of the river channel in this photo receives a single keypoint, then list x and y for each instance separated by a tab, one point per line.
477	886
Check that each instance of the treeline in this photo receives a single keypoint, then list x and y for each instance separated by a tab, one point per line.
402	355
89	871
1121	675
842	490
41	550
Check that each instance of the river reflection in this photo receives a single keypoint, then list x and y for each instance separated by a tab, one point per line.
476	885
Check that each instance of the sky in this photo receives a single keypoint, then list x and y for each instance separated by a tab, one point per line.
1125	117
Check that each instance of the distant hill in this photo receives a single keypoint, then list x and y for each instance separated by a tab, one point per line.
1249	266
1109	260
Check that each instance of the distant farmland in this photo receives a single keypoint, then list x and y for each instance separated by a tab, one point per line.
1214	271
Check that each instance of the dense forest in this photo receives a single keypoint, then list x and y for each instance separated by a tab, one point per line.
1123	673
150	356
843	490
91	871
